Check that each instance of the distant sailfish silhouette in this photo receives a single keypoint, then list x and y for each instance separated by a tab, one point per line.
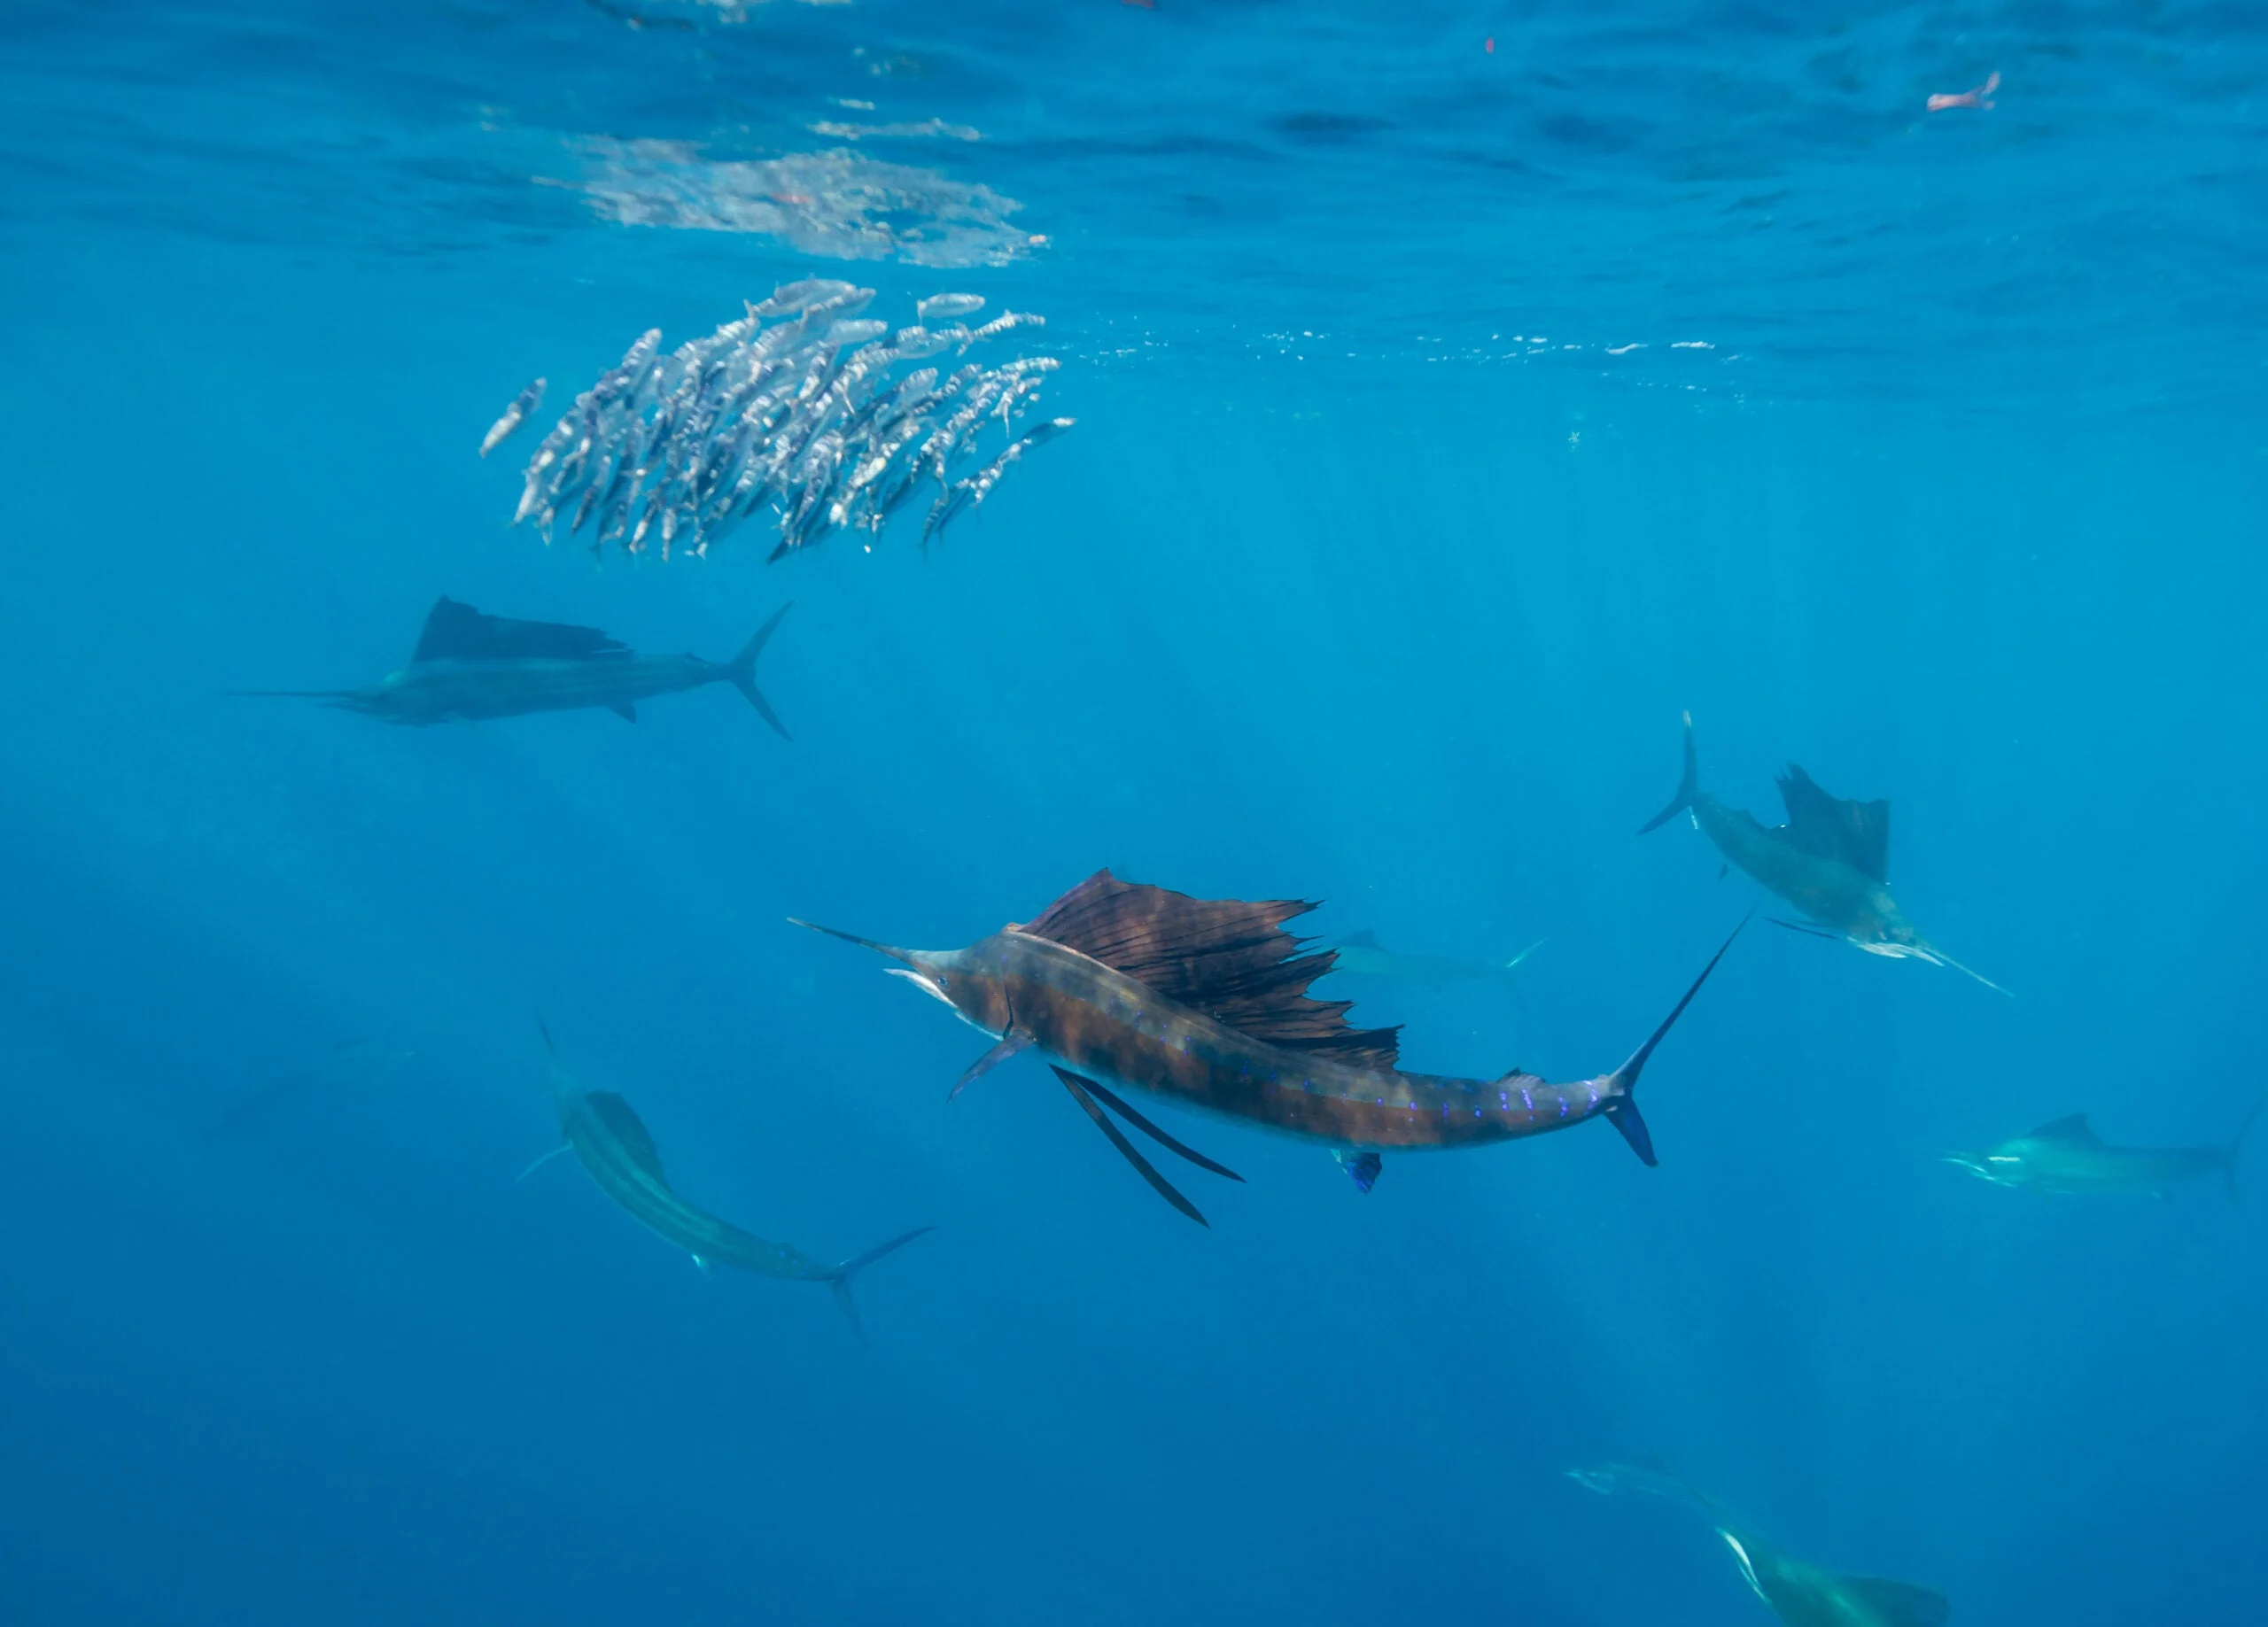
1831	860
1360	954
469	666
2068	1156
1203	1002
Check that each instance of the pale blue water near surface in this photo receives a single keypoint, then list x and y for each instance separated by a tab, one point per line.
1378	570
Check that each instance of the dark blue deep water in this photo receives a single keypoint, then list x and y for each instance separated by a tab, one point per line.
1450	418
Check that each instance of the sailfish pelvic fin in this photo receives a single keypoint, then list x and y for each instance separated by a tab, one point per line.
1118	1106
1165	1189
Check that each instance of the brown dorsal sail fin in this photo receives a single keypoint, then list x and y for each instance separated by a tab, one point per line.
454	632
1230	959
1828	828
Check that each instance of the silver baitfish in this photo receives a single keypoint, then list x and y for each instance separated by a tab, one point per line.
948	305
800	403
515	416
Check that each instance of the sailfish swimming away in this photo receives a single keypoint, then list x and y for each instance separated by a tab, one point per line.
1831	860
1800	1593
613	1146
1203	1002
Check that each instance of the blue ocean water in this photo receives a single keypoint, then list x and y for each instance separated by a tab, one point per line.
1464	392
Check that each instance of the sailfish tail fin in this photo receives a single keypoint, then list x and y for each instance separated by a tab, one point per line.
741	671
1687	788
2236	1144
839	1278
1621	1109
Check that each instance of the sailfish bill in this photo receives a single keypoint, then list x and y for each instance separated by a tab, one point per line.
1204	1003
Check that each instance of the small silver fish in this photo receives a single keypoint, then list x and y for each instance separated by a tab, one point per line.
1005	321
515	416
795	295
915	343
948	305
811	415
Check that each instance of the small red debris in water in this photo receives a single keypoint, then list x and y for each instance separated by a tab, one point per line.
1489	44
1979	98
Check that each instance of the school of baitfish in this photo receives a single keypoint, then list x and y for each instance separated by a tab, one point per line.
809	417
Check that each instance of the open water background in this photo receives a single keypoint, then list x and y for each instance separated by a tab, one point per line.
1348	587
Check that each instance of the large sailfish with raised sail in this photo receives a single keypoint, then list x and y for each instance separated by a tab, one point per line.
1203	1002
1830	860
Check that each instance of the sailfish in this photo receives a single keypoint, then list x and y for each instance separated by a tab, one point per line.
1203	1002
470	666
618	1152
1830	860
1800	1593
2068	1157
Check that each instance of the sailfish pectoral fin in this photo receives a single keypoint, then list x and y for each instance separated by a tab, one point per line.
1119	1106
1011	1044
1164	1187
